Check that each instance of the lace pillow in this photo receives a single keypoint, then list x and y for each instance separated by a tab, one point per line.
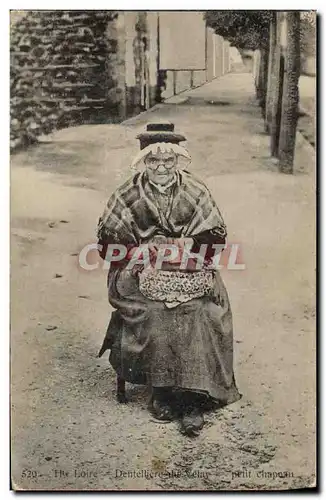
175	286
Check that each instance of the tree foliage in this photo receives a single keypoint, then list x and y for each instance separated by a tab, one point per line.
308	33
243	29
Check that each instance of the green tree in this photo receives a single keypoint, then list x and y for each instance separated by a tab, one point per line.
246	30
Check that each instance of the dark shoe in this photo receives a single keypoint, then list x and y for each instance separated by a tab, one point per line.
192	422
122	398
161	405
161	410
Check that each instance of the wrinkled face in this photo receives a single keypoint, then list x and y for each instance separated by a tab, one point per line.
161	167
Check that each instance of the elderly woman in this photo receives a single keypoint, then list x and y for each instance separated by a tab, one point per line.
172	326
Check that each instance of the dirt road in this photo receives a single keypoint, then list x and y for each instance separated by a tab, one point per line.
68	432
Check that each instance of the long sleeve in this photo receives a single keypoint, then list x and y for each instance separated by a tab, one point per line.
209	237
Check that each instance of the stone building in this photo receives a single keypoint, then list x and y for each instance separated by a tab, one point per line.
165	53
72	67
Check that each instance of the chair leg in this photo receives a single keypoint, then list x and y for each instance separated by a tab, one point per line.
121	390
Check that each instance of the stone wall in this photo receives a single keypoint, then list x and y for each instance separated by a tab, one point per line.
61	71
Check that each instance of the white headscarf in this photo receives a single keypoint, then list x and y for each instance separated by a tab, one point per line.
160	147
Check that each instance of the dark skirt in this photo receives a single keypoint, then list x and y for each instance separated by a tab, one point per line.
189	347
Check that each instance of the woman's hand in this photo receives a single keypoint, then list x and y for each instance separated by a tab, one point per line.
160	239
181	244
154	245
185	242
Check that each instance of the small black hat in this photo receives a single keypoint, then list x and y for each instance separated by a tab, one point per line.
159	132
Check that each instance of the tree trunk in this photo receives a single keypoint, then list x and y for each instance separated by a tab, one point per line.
265	78
262	78
290	99
119	69
276	91
272	78
256	71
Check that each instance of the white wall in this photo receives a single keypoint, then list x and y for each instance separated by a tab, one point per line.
182	40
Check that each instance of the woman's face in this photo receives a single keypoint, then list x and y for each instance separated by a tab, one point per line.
161	167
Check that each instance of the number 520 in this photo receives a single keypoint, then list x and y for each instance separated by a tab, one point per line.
29	474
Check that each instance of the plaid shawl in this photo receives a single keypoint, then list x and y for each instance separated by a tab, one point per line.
132	215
